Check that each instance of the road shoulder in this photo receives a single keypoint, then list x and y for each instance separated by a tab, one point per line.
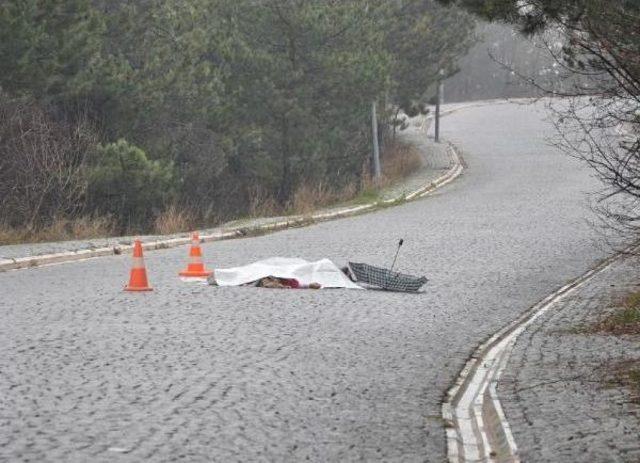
560	390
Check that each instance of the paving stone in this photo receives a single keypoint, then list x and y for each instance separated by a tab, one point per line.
554	390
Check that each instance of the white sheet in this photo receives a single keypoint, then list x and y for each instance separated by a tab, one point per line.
324	272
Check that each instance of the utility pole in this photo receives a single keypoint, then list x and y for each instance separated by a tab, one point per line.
439	101
377	173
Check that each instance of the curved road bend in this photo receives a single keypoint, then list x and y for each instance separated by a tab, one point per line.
90	373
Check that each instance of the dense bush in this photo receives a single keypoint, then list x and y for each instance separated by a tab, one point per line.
123	183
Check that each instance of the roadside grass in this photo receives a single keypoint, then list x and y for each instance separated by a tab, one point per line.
625	374
173	220
261	204
61	229
368	195
399	161
634	378
625	320
309	197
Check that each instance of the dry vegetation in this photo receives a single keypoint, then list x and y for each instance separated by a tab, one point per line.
306	199
625	320
61	229
41	165
173	220
625	374
398	160
310	198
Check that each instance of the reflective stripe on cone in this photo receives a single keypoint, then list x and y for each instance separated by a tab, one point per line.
195	267
138	278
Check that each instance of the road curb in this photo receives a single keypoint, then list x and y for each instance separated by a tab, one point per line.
239	231
477	429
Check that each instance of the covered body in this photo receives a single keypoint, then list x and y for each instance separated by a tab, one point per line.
324	272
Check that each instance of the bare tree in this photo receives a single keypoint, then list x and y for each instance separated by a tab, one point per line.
595	45
599	122
41	164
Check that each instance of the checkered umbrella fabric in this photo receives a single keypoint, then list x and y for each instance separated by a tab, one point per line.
385	278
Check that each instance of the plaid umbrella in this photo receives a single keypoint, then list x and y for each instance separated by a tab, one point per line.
385	278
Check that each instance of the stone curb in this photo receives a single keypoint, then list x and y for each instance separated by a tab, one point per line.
239	232
476	426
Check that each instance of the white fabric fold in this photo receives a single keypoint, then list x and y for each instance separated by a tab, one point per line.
323	272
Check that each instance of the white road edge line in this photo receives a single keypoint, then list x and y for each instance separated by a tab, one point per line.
477	429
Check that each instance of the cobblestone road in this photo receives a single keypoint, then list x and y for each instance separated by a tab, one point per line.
559	390
90	373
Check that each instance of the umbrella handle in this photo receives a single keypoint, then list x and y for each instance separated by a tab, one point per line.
400	243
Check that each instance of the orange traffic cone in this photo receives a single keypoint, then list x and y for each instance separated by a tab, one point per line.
138	279
195	268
